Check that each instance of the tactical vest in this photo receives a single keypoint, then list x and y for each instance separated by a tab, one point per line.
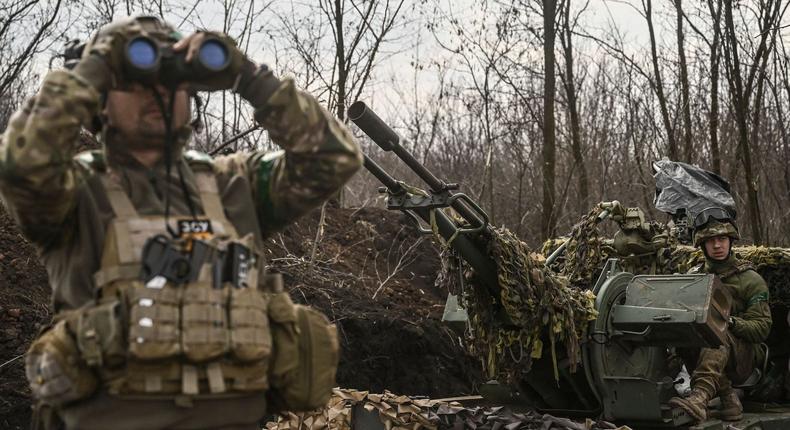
211	333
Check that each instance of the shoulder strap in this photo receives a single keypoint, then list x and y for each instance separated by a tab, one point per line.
741	267
209	196
203	168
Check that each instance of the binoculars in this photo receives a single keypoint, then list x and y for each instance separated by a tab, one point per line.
150	61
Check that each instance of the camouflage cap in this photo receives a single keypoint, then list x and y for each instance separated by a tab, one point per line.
715	228
130	27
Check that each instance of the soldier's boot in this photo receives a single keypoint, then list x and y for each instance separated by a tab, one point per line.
695	405
730	408
705	382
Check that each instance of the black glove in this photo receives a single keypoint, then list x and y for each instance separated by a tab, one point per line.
256	84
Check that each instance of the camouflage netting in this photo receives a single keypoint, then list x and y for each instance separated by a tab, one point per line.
587	252
584	254
543	310
772	263
405	413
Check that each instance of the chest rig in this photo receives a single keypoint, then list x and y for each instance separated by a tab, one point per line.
178	316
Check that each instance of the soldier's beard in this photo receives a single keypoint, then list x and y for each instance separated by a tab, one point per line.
135	122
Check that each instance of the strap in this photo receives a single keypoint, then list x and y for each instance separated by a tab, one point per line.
122	207
153	383
216	380
189	380
88	341
743	266
209	198
739	268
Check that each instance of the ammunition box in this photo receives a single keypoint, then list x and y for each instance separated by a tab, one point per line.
674	310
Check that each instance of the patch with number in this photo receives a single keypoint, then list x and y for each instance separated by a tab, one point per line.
195	228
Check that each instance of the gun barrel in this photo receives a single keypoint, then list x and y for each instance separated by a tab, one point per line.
386	138
385	178
373	126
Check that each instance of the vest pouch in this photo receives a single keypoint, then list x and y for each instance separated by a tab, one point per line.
100	335
250	335
204	321
154	331
306	353
55	370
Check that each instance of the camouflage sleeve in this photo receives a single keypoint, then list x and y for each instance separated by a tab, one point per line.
319	156
38	177
754	323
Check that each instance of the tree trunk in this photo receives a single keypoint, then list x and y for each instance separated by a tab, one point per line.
740	95
684	86
548	221
342	79
672	148
342	70
713	125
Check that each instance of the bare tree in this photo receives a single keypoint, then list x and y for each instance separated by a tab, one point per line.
569	84
672	147
746	87
25	31
549	221
684	83
358	31
715	59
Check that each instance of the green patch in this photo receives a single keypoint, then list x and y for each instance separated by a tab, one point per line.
266	211
757	298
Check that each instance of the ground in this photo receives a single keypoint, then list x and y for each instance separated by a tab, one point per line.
371	273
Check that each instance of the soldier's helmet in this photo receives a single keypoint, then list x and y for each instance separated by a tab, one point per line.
712	222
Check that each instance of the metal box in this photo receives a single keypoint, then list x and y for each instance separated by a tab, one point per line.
674	310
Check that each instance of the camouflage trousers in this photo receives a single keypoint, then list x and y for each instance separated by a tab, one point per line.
716	369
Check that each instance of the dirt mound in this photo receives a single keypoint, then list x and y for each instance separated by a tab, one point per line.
24	307
370	272
386	305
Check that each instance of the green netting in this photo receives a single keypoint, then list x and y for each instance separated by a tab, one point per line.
543	311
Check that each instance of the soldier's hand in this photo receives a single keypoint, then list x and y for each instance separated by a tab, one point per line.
102	60
223	80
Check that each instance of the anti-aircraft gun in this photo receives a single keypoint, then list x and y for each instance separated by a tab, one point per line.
627	373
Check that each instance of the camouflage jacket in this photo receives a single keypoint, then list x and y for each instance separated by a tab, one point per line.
59	203
750	311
